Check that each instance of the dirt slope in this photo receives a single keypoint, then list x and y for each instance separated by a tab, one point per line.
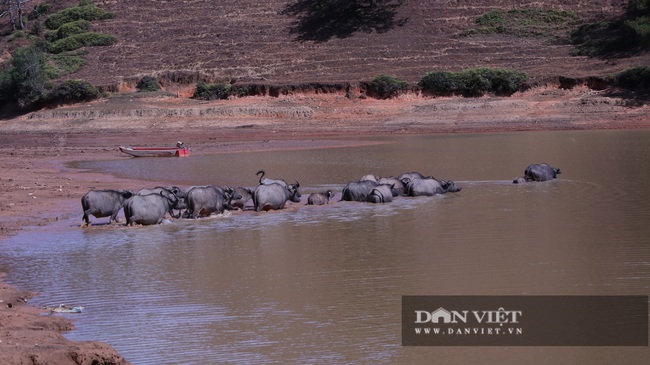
278	41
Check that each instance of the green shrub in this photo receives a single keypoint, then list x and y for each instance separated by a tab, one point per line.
16	35
473	82
634	78
526	22
240	91
80	12
72	28
69	29
604	38
641	27
68	62
493	18
207	91
39	10
441	83
77	41
506	82
384	87
72	91
148	83
618	37
640	7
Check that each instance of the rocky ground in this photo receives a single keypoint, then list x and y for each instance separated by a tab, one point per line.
38	187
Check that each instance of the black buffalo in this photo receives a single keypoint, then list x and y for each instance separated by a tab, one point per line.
104	203
408	176
275	196
205	200
395	182
320	198
430	186
246	195
538	172
180	194
357	191
172	189
149	209
382	194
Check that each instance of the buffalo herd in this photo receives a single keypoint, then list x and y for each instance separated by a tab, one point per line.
150	206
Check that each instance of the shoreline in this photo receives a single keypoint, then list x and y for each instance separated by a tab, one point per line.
39	187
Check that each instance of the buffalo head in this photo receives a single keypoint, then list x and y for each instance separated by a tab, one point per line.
294	194
450	186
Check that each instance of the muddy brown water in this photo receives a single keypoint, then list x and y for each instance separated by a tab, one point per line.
323	284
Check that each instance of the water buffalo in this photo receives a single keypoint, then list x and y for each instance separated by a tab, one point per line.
397	184
412	176
246	195
104	203
430	186
382	194
268	181
320	198
357	191
275	196
149	209
180	194
205	200
172	189
538	172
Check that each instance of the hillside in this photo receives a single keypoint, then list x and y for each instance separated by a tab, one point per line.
281	42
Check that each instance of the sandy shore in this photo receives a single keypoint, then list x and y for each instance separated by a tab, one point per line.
39	188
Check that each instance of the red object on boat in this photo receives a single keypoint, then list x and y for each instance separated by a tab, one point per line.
156	151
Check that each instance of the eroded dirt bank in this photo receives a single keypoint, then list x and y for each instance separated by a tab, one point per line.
38	187
27	336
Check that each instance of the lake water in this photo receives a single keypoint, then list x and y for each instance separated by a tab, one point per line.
323	285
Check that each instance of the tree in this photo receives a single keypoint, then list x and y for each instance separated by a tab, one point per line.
28	75
14	9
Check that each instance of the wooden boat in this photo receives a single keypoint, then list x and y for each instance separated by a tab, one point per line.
179	151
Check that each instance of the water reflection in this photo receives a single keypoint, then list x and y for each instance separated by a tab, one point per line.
324	284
